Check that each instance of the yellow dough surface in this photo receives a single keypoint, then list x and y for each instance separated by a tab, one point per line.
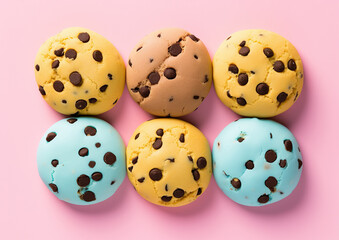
169	162
79	71
257	73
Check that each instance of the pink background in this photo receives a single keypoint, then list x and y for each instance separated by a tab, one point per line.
29	211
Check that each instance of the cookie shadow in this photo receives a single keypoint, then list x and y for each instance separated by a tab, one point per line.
292	202
105	207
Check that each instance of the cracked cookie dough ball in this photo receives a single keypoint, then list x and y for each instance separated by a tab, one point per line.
79	72
257	73
82	160
168	162
256	162
169	72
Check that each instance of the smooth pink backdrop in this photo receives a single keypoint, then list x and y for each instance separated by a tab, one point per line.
29	211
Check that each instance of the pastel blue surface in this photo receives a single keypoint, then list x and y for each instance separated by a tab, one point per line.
69	139
250	139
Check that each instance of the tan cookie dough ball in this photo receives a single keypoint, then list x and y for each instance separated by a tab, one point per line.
79	72
169	162
257	73
169	72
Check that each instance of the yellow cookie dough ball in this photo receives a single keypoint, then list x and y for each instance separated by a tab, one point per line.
79	71
169	162
257	73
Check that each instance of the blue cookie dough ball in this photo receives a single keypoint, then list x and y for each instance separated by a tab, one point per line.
256	162
82	160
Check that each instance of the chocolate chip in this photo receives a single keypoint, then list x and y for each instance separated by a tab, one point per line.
130	168
110	76
228	94
170	73
58	86
135	90
244	51
109	158
178	193
80	104
42	91
154	77
206	79
199	191
201	162
182	138
195	97
296	96
141	180
270	156
268	52
53	187
190	158
175	49
242	44
88	196
271	136
55	162
84	37
155	174
166	198
37	67
91	164
112	182
92	100
97	176
98	145
236	183
71	54
75	78
144	91
196	174
271	182
64	101
240	139
228	38
278	66
90	131
282	97
262	88
97	55
83	152
171	99
291	65
50	136
55	64
300	163
116	100
263	198
194	38
249	164
242	79
195	56
288	145
160	132
59	52
103	88
151	60
72	120
166	187
129	62
83	180
159	35
157	143
233	68
241	101
283	163
136	136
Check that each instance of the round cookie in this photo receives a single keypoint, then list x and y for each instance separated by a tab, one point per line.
256	162
79	72
169	162
169	72
82	160
257	73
